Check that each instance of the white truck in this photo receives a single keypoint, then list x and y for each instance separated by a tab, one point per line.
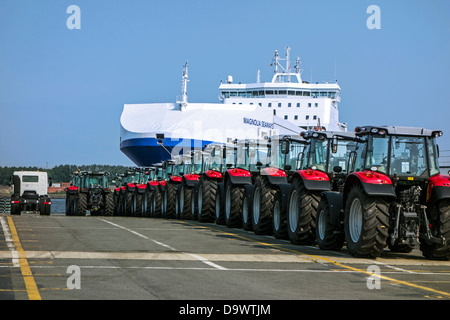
29	192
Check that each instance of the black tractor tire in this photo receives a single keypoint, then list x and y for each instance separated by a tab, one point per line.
45	209
15	208
219	209
234	196
263	201
301	213
137	206
169	200
185	194
279	220
81	204
146	203
247	223
366	223
109	204
127	199
328	236
207	192
440	227
156	203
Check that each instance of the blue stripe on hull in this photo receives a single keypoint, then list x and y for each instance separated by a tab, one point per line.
146	151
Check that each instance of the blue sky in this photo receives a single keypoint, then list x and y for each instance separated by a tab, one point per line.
62	91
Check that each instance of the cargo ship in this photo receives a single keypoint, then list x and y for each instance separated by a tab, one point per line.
153	132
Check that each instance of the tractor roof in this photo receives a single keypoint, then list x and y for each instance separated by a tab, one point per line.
396	130
327	134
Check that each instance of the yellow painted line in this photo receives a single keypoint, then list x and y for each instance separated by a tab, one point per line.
30	284
333	262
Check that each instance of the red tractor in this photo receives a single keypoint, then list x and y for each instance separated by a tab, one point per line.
393	196
318	172
172	177
208	188
185	197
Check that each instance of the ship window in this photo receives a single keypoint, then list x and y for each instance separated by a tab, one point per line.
323	94
279	104
226	94
261	93
306	93
285	117
298	105
242	94
291	93
295	117
309	105
316	105
269	91
233	94
270	105
289	105
260	104
307	118
314	94
282	92
332	95
274	112
314	117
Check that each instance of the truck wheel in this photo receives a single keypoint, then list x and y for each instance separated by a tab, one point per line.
109	204
44	208
82	204
263	201
440	227
234	196
301	215
328	236
366	223
15	208
279	223
207	192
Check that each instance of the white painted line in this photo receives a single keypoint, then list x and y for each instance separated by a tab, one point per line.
200	258
10	242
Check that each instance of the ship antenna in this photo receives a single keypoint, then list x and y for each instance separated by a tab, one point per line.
184	80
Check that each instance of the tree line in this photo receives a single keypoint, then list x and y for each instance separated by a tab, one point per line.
61	173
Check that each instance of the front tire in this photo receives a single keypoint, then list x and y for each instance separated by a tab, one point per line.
263	205
328	236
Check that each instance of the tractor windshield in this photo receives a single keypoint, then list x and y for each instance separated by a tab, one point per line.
340	157
95	181
280	157
315	155
213	160
408	156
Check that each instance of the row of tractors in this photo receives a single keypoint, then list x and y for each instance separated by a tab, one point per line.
373	188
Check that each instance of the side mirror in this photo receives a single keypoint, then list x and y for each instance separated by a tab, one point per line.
287	167
284	147
334	144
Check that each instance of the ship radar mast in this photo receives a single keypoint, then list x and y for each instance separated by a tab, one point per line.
285	74
182	100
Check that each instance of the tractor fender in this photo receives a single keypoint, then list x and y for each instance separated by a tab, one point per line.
438	188
373	184
240	178
335	206
314	180
276	180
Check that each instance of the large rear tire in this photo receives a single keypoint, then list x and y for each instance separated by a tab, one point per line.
234	196
366	223
440	227
81	204
207	192
169	200
263	205
279	222
301	215
109	204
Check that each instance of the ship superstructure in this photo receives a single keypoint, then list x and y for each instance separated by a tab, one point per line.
307	105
